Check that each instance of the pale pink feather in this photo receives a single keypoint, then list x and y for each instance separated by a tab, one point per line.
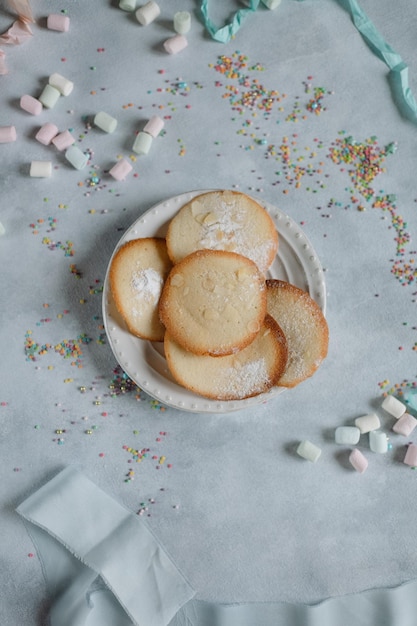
22	8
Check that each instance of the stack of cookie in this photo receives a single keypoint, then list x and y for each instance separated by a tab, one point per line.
229	333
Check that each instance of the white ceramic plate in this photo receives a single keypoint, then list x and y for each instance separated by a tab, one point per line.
144	361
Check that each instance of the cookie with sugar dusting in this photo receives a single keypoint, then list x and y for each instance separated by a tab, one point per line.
304	326
253	370
137	273
213	302
223	220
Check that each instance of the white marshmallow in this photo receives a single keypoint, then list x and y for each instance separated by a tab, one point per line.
76	157
347	435
61	83
308	451
182	22
49	96
147	13
127	5
105	121
41	169
378	441
142	143
271	4
366	423
393	406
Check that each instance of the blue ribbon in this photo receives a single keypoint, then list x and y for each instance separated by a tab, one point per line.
225	33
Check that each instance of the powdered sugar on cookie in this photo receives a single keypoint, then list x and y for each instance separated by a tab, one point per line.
147	284
223	220
137	274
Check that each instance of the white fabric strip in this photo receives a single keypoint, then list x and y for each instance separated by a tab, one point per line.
112	543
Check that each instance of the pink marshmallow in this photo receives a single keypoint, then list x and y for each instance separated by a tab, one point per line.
7	134
46	133
405	425
31	105
63	141
175	44
154	126
411	455
358	461
59	22
3	66
120	170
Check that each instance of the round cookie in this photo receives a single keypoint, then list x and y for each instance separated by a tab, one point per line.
213	302
223	220
137	274
252	371
304	326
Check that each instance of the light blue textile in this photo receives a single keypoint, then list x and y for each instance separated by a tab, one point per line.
389	607
105	568
87	541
